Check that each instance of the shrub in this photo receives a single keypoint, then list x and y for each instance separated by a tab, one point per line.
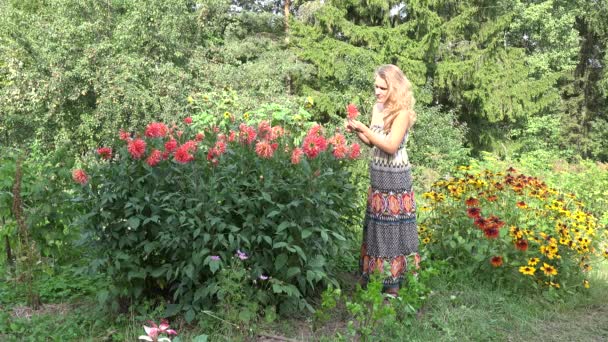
511	228
168	208
45	192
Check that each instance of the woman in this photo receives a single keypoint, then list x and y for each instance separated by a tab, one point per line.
389	233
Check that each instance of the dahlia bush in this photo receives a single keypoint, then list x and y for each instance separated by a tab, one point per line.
512	228
168	205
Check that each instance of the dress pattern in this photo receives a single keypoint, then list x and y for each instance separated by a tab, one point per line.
390	232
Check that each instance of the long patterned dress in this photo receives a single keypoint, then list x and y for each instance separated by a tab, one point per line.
390	232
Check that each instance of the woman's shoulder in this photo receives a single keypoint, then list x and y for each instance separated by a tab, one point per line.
408	115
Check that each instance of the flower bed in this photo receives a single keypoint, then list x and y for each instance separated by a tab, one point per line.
512	228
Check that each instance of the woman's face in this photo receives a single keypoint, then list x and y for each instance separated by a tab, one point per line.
380	90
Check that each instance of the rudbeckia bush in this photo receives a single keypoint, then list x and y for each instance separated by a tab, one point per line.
512	228
169	207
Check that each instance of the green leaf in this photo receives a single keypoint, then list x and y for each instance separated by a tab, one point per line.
306	233
189	316
214	265
200	338
283	226
267	239
133	222
172	309
280	244
280	261
292	271
324	235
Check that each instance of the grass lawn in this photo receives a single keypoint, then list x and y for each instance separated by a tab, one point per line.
455	311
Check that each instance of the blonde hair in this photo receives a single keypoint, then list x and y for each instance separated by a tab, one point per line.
400	96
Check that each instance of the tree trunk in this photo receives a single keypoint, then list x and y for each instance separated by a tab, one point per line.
27	250
286	7
9	255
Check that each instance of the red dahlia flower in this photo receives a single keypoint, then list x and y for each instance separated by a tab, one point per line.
212	154
264	149
315	130
340	151
264	130
355	151
337	139
220	146
171	145
353	112
295	155
105	152
190	145
126	136
156	130
277	132
137	148
246	133
79	176
182	154
155	157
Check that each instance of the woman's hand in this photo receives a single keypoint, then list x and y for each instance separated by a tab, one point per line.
356	126
347	127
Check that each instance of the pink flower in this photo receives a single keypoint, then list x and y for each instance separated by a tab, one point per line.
264	149
313	145
315	130
105	152
352	111
340	151
355	151
155	157
220	147
215	257
79	176
190	145
232	136
171	145
247	134
126	136
137	148
212	154
337	139
241	255
153	331
264	130
199	136
156	130
263	277
295	155
182	154
188	120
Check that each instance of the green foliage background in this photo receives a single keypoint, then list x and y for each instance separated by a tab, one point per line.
79	71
